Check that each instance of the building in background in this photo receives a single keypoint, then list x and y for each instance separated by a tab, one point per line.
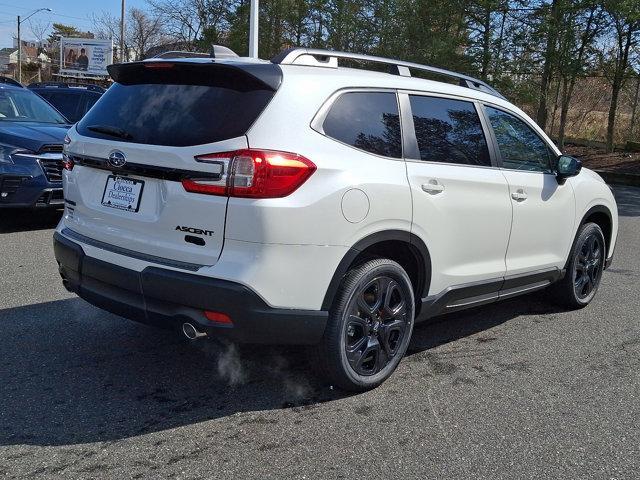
35	61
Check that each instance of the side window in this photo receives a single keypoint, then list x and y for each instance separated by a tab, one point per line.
91	99
369	121
449	131
521	148
67	104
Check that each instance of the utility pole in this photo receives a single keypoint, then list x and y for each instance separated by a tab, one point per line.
122	56
20	20
19	53
253	29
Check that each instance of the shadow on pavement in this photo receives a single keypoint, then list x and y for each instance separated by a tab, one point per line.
22	220
628	200
71	373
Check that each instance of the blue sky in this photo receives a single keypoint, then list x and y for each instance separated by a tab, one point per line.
70	12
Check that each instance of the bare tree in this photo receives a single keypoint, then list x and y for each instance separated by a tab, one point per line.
582	28
107	25
143	31
625	16
39	29
634	108
552	24
190	21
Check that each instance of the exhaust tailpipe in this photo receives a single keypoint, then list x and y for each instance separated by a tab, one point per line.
191	332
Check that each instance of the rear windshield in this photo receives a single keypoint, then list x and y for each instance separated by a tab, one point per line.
177	106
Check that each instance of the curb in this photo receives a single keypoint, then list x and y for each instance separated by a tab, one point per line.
615	178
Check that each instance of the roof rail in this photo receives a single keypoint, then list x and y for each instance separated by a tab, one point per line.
87	86
329	59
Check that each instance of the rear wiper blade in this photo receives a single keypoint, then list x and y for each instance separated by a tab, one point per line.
109	130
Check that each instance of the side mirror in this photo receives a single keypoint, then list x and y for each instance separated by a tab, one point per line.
566	167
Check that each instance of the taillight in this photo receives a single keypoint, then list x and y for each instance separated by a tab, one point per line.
255	174
67	163
158	65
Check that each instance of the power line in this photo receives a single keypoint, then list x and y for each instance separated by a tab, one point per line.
50	13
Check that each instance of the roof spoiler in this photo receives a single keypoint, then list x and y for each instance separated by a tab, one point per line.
233	75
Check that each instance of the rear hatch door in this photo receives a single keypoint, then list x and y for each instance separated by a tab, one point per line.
137	145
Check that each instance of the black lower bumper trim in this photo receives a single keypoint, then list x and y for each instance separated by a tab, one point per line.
168	298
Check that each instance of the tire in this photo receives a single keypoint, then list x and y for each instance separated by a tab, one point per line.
369	326
584	269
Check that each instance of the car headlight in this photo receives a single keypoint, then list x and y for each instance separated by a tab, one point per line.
8	151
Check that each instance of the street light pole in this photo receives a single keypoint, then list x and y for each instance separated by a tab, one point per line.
122	10
20	40
253	29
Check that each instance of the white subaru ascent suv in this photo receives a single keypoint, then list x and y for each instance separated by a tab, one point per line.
298	201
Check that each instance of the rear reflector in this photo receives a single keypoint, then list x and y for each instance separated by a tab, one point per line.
201	186
256	174
217	317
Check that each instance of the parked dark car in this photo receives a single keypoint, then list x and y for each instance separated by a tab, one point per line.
32	135
72	100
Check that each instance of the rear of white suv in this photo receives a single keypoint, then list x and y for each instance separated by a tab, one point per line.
149	176
303	203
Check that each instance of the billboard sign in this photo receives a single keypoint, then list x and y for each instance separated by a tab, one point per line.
85	56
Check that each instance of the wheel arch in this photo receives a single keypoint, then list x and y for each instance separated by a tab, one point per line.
600	215
402	246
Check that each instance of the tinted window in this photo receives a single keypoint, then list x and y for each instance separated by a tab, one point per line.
91	98
449	131
520	146
22	105
366	120
181	106
66	103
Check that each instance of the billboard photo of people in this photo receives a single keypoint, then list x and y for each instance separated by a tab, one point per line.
85	55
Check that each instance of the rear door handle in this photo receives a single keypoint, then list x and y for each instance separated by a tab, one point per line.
519	195
433	187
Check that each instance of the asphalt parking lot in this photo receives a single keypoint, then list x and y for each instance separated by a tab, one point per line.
514	390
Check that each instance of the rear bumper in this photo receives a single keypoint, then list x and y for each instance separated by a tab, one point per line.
168	298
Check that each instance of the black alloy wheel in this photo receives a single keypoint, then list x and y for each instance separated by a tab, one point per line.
583	271
369	326
588	266
377	322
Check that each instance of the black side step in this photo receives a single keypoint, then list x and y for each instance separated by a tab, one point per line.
468	295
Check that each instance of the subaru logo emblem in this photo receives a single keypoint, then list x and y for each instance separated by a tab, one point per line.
117	159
